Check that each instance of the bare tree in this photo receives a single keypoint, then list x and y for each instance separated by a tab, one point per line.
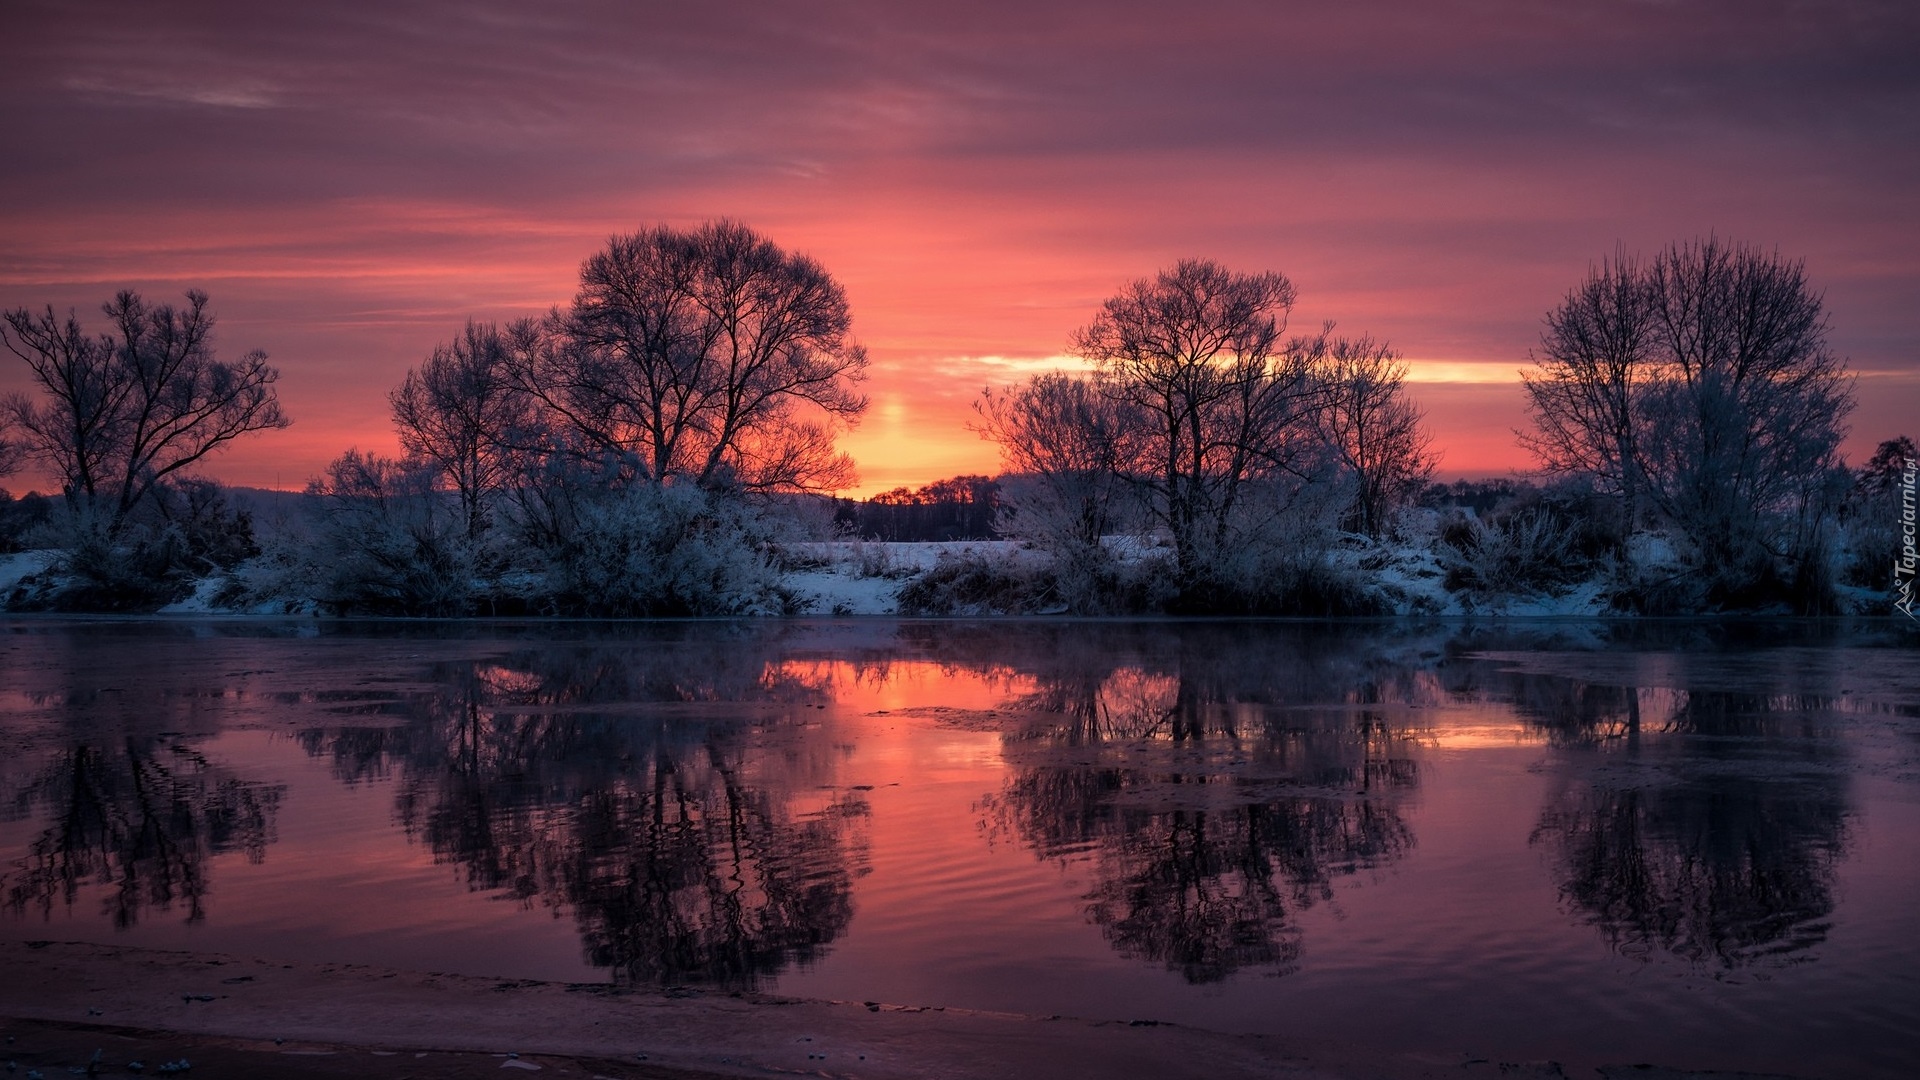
12	450
1745	419
1371	425
1595	355
1198	350
460	411
1069	442
75	432
127	410
711	355
1891	460
1701	385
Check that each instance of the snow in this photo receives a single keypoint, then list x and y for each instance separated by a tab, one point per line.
1410	577
863	577
19	565
851	577
834	592
201	600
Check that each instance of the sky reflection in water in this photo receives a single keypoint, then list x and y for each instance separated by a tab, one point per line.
1524	836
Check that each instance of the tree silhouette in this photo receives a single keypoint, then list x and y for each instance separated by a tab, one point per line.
1198	352
460	411
1698	386
711	356
127	411
1374	428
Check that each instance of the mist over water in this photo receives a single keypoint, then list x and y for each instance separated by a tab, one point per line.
1689	843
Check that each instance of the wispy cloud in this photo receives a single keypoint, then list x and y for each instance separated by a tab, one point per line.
237	96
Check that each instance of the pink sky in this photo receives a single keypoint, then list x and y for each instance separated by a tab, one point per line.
351	182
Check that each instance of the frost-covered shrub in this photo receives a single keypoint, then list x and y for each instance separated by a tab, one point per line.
217	535
1283	561
873	559
1527	551
1651	576
19	518
143	569
1088	578
280	581
1321	587
387	541
662	550
969	583
183	530
1869	549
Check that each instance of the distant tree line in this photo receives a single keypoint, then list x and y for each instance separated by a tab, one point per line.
958	508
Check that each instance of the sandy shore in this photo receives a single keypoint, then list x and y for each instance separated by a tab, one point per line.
239	1017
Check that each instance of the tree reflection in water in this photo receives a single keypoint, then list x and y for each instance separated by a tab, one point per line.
141	814
1214	784
667	798
673	787
1706	824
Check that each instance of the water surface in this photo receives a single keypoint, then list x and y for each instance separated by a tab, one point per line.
1685	843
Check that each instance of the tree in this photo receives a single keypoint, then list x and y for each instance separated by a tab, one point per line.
1891	461
460	411
1065	442
1198	351
1594	355
710	356
1374	429
129	409
1701	385
11	449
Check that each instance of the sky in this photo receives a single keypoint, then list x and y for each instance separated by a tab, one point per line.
351	182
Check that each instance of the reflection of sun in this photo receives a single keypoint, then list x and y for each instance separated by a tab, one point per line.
1477	729
901	684
507	682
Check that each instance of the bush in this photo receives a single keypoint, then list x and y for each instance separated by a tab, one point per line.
968	583
217	536
148	570
387	542
183	531
21	517
654	550
1528	551
1650	578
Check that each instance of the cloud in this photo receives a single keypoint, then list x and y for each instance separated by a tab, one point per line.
353	180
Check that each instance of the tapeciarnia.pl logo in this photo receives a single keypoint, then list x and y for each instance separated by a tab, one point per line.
1903	568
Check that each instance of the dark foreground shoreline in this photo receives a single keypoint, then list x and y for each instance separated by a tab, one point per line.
240	1017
